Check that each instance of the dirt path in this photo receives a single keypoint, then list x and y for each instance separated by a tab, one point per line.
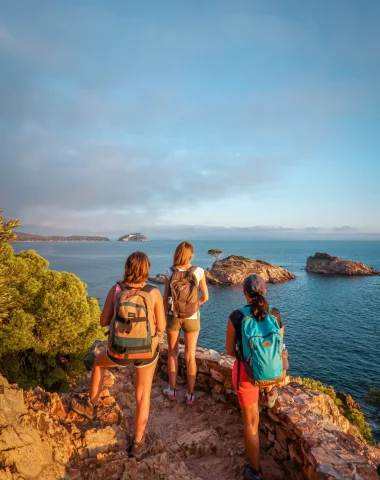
208	436
199	442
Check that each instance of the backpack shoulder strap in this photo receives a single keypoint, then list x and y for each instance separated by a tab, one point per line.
122	285
245	311
173	268
192	269
148	288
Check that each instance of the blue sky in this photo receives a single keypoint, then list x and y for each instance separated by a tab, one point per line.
119	116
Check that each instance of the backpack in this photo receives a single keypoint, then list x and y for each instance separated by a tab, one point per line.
133	334
184	290
261	348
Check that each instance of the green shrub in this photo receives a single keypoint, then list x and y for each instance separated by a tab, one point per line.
320	387
354	416
48	322
357	418
373	398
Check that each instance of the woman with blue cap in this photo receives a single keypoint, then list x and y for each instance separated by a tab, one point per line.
257	308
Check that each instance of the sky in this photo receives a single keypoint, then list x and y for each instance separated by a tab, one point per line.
245	117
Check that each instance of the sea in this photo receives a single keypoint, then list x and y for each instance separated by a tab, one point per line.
332	324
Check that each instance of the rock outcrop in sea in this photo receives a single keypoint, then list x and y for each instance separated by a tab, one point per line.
303	437
234	269
133	237
158	279
329	265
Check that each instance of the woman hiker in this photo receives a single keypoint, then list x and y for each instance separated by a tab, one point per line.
254	289
144	311
183	283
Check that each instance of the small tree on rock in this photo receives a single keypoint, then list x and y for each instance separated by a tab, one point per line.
215	253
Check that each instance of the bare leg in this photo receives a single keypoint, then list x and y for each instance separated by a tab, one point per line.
143	386
97	375
251	433
173	336
191	365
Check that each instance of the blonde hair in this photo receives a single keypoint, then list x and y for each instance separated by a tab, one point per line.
137	267
183	254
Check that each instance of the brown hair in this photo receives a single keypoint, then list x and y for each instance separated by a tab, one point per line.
136	268
183	254
259	306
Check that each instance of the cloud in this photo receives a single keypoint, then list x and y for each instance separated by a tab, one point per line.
113	116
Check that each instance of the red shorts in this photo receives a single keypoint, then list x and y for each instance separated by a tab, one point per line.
247	393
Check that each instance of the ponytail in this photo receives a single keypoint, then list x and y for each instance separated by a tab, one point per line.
259	307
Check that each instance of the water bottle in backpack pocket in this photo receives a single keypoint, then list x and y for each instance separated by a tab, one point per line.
262	349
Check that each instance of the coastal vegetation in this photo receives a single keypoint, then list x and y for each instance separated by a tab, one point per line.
26	237
373	398
215	252
353	415
47	321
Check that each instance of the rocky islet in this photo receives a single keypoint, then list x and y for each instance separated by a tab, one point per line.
327	264
234	269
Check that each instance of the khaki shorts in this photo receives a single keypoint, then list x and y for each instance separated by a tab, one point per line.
188	325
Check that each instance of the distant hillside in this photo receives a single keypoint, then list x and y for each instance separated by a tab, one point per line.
27	237
133	237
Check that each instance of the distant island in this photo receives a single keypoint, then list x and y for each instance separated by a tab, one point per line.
26	237
133	237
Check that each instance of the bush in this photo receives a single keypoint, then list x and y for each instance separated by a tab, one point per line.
354	416
49	323
357	418
320	387
373	398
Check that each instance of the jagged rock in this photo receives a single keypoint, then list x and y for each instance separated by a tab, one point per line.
158	279
96	348
347	401
234	269
329	265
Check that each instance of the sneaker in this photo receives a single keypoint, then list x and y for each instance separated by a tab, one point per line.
168	392
86	409
271	397
190	397
139	449
251	474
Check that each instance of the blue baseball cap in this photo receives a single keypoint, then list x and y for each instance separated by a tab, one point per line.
254	284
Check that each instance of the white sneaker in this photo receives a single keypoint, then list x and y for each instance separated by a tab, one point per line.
190	397
168	392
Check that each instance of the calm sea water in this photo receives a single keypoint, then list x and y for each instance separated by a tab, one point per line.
332	324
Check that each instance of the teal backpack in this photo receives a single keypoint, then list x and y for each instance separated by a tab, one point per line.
261	348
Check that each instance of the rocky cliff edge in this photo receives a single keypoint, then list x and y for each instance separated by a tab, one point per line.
303	436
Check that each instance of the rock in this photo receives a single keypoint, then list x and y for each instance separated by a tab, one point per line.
200	444
329	265
347	401
234	269
159	279
96	348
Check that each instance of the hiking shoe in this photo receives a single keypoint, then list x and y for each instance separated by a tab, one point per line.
86	409
190	398
139	449
271	397
251	474
168	392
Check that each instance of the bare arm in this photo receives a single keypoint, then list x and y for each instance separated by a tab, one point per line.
166	295
231	339
204	290
282	329
107	313
159	312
